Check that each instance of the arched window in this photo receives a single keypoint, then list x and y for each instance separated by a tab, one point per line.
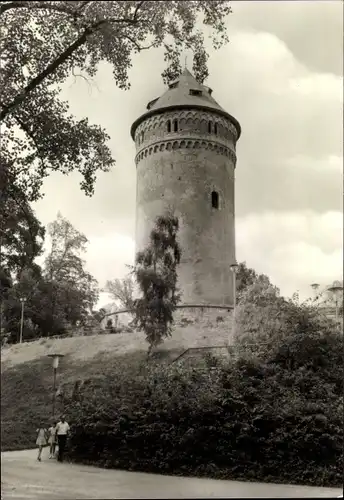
210	126
168	125
215	128
142	136
215	200
175	125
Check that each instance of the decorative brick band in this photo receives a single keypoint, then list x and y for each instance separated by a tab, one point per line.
186	121
161	146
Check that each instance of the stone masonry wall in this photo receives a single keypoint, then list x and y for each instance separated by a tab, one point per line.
177	172
196	327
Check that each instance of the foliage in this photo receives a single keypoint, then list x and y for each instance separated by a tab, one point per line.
57	297
72	290
26	400
245	277
44	43
20	413
246	420
122	291
27	286
264	319
156	275
21	234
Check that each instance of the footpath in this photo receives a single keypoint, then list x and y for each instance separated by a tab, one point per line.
22	476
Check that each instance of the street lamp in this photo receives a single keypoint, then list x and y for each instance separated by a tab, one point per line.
336	289
22	300
56	359
234	269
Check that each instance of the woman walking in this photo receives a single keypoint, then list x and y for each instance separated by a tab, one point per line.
52	439
41	440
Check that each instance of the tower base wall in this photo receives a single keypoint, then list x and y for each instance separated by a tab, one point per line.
195	327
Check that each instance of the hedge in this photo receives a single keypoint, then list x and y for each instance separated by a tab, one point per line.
243	420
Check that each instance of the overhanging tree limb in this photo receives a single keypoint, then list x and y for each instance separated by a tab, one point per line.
9	108
5	7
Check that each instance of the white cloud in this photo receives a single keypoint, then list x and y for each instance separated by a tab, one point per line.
279	76
293	249
108	256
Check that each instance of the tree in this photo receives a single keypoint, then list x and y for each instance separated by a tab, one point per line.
71	290
265	320
45	42
21	233
122	291
246	277
155	272
5	289
28	285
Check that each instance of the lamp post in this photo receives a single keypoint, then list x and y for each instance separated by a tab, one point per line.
55	358
22	300
336	289
234	269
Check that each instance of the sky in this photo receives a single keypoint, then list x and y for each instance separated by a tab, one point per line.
280	75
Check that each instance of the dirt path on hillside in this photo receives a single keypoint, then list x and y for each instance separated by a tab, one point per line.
23	477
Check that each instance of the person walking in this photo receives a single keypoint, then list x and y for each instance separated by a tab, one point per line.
52	439
62	430
41	441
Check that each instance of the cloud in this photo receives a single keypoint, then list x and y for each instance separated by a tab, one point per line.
293	249
313	31
274	78
108	256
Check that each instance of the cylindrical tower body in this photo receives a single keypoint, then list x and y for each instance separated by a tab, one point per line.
185	165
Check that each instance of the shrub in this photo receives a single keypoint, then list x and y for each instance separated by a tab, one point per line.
247	419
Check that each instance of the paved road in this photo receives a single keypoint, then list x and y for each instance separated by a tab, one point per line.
23	477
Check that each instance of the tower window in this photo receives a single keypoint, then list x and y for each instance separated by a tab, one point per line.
210	127
175	125
168	125
195	92
173	85
215	200
215	128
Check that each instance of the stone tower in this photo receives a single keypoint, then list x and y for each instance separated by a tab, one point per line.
185	159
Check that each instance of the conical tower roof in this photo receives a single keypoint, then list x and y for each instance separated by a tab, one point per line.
185	92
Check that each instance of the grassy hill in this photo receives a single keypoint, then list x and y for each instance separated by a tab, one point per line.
27	375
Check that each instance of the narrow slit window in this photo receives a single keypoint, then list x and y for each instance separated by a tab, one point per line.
210	126
142	136
215	129
215	200
175	126
169	126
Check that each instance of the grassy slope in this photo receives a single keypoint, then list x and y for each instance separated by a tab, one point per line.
26	372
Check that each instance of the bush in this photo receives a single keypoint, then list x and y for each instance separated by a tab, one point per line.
245	420
26	403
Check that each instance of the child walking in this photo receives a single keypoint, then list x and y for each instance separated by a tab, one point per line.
52	439
41	440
